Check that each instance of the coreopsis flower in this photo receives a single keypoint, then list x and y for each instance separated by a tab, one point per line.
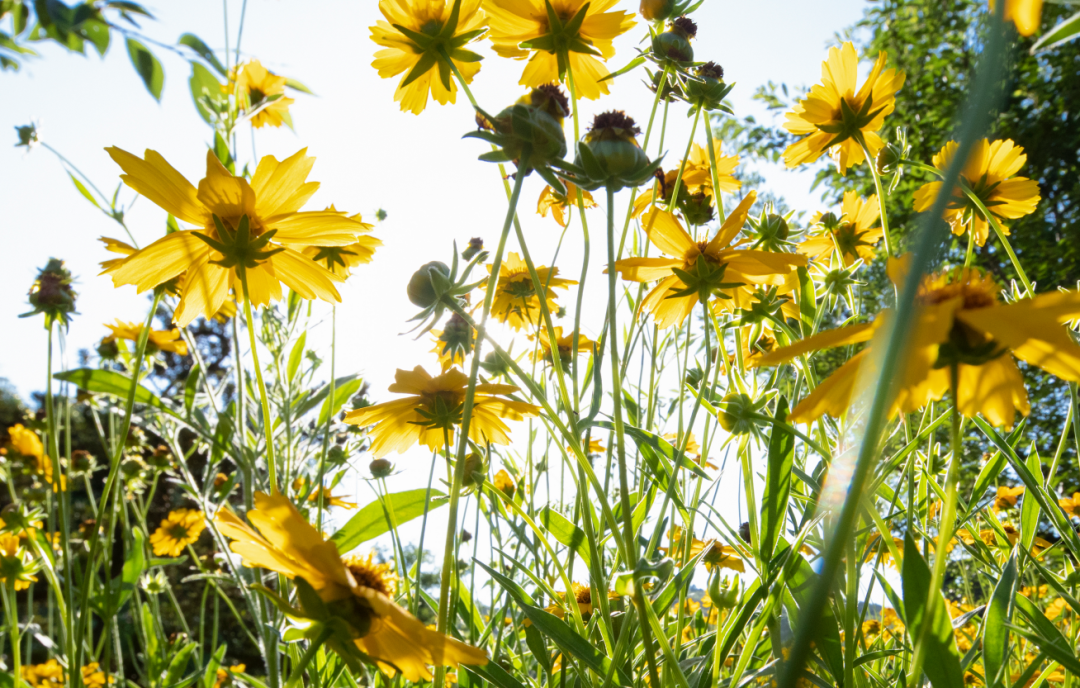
25	441
419	37
226	677
182	527
340	260
1025	14
561	205
697	270
595	447
49	674
960	322
236	221
52	294
1007	497
94	677
17	566
696	178
1071	505
558	36
256	87
356	592
504	483
717	554
434	406
516	302
329	499
834	116
565	344
854	234
988	174
156	340
583	596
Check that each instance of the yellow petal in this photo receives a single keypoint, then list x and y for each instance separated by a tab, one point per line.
161	261
223	194
280	186
159	181
852	334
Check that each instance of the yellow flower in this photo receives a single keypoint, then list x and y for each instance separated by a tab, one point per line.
561	205
505	484
1071	506
717	554
595	447
362	592
516	302
1055	608
565	345
157	340
1025	14
988	173
224	677
583	596
834	115
697	177
330	499
434	406
1007	496
730	269
340	260
182	527
958	321
47	675
271	202
25	441
16	564
854	233
417	37
94	677
255	85
583	31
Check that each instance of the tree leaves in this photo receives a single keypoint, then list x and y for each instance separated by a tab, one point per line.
147	66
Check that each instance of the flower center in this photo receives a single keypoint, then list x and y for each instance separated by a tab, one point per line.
370	575
178	532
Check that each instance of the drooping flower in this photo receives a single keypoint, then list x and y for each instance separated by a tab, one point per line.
564	343
356	591
340	260
988	173
561	205
434	405
559	36
182	527
256	86
834	115
516	302
959	321
329	499
1007	497
504	483
713	267
418	38
1025	14
854	234
271	204
156	340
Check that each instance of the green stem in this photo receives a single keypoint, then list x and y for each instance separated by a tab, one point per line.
872	164
713	173
329	418
10	602
682	163
1002	237
268	430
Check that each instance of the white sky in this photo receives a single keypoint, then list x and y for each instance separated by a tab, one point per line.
370	155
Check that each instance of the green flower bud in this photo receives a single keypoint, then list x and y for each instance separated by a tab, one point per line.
108	349
656	10
610	155
52	294
734	411
708	90
476	245
697	207
422	290
674	44
476	469
724	593
381	468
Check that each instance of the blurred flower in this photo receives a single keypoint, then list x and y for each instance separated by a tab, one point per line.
268	207
582	595
421	36
697	175
94	677
434	407
717	554
157	340
1025	14
224	677
505	484
959	322
256	86
561	205
516	301
182	527
25	441
52	294
853	234
340	260
558	36
1071	505
17	565
565	345
1007	496
47	675
988	174
833	116
361	591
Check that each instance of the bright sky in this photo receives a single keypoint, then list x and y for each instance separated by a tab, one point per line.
370	155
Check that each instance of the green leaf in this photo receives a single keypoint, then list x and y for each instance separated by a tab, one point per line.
494	674
342	393
774	500
204	85
147	66
942	665
1060	34
634	64
190	384
112	383
1029	510
566	533
560	633
195	43
296	356
210	674
1046	635
179	663
538	647
807	302
371	521
84	191
304	404
801	583
297	86
995	625
224	156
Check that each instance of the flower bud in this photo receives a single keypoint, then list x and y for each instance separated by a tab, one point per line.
381	468
723	593
613	147
476	245
493	364
656	10
694	376
476	469
82	461
674	44
888	158
52	293
697	208
422	289
733	413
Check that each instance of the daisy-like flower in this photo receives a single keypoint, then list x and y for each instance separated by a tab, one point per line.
696	178
420	37
1025	14
834	116
357	592
329	499
182	527
25	441
960	322
854	234
257	87
340	260
433	406
504	483
717	554
595	447
17	566
94	677
988	174
564	343
561	205
559	36
516	302
696	270
236	222
582	595
46	675
157	340
1071	505
1007	497
226	677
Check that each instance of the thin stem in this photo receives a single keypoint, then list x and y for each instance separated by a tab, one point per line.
329	417
871	163
712	171
268	430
